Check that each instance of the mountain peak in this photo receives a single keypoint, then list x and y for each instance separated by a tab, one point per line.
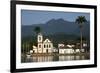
55	21
60	19
52	20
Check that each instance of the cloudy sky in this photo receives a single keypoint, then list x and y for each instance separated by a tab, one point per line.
29	17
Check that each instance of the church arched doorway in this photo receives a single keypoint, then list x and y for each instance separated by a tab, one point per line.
46	50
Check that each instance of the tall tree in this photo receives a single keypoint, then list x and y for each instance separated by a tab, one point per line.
37	29
80	20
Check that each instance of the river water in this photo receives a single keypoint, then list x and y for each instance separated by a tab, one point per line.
53	58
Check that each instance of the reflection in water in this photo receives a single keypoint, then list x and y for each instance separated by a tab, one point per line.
54	58
43	58
65	58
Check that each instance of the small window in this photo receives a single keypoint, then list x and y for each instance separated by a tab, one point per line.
44	46
39	46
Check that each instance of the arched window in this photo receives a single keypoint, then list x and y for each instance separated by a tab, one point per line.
39	46
39	38
44	45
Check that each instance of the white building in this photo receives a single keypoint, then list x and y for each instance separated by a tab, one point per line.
84	45
43	46
35	49
61	45
77	50
68	49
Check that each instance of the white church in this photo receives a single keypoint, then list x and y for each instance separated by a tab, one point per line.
43	45
46	46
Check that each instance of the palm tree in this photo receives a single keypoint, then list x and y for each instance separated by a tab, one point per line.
37	30
81	20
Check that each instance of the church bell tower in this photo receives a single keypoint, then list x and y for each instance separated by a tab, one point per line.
40	41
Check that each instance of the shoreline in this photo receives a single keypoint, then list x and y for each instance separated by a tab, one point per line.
57	54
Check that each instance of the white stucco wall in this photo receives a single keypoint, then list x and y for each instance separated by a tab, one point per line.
35	50
66	51
77	50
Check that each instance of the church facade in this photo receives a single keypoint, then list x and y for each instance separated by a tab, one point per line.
43	46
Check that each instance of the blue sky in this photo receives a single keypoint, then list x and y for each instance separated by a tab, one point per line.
29	17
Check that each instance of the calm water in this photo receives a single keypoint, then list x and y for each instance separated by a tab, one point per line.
54	58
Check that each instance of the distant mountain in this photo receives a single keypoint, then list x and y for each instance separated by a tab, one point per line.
56	26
